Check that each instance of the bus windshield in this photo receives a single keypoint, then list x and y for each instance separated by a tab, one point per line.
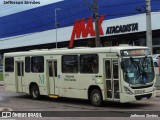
138	70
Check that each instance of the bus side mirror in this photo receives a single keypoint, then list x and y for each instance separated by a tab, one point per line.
122	65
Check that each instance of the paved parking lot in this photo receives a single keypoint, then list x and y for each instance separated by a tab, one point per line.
10	101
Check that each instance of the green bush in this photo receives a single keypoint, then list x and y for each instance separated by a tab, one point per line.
1	77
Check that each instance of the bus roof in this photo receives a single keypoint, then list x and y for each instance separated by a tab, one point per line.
82	50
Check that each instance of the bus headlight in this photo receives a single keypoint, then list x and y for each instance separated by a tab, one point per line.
128	91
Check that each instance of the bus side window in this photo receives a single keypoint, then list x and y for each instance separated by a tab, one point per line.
70	64
37	64
27	64
89	63
9	64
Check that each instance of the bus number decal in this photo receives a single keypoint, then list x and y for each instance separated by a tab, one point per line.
41	79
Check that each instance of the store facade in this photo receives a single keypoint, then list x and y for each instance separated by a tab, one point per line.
125	30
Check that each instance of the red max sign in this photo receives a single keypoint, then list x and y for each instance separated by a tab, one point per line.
81	28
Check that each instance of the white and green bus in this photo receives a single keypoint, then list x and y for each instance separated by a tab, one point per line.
122	73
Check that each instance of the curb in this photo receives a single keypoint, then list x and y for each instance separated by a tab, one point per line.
3	109
1	83
157	95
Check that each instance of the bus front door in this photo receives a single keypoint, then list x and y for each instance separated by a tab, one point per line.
20	76
52	76
112	79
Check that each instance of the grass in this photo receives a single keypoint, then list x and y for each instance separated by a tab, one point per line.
1	77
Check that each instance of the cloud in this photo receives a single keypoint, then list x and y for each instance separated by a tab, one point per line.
8	7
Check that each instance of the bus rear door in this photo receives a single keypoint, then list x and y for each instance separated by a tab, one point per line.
20	76
112	79
52	76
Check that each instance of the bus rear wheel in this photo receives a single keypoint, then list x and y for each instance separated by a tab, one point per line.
35	92
96	98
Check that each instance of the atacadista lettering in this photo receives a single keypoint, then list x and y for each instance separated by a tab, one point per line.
122	28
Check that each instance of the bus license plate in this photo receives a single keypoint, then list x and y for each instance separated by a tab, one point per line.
139	91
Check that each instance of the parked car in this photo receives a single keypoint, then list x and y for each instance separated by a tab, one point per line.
156	58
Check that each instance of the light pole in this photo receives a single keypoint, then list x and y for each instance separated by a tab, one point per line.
56	9
94	8
96	23
147	10
148	25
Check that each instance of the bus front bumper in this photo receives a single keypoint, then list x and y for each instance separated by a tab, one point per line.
130	98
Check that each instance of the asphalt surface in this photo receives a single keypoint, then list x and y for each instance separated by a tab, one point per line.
75	109
10	102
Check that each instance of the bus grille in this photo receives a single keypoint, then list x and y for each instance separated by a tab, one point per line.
139	97
140	87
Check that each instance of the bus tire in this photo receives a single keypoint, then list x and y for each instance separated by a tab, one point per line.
96	97
155	64
35	92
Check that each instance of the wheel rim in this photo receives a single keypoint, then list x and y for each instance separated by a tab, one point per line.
96	98
35	92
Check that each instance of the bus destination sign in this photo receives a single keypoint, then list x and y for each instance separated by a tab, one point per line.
136	52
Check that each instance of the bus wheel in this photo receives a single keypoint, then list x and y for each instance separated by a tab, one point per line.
155	64
35	92
96	98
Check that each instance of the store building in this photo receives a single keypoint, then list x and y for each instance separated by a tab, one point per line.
19	32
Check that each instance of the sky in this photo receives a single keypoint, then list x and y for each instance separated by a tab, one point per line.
43	18
7	8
